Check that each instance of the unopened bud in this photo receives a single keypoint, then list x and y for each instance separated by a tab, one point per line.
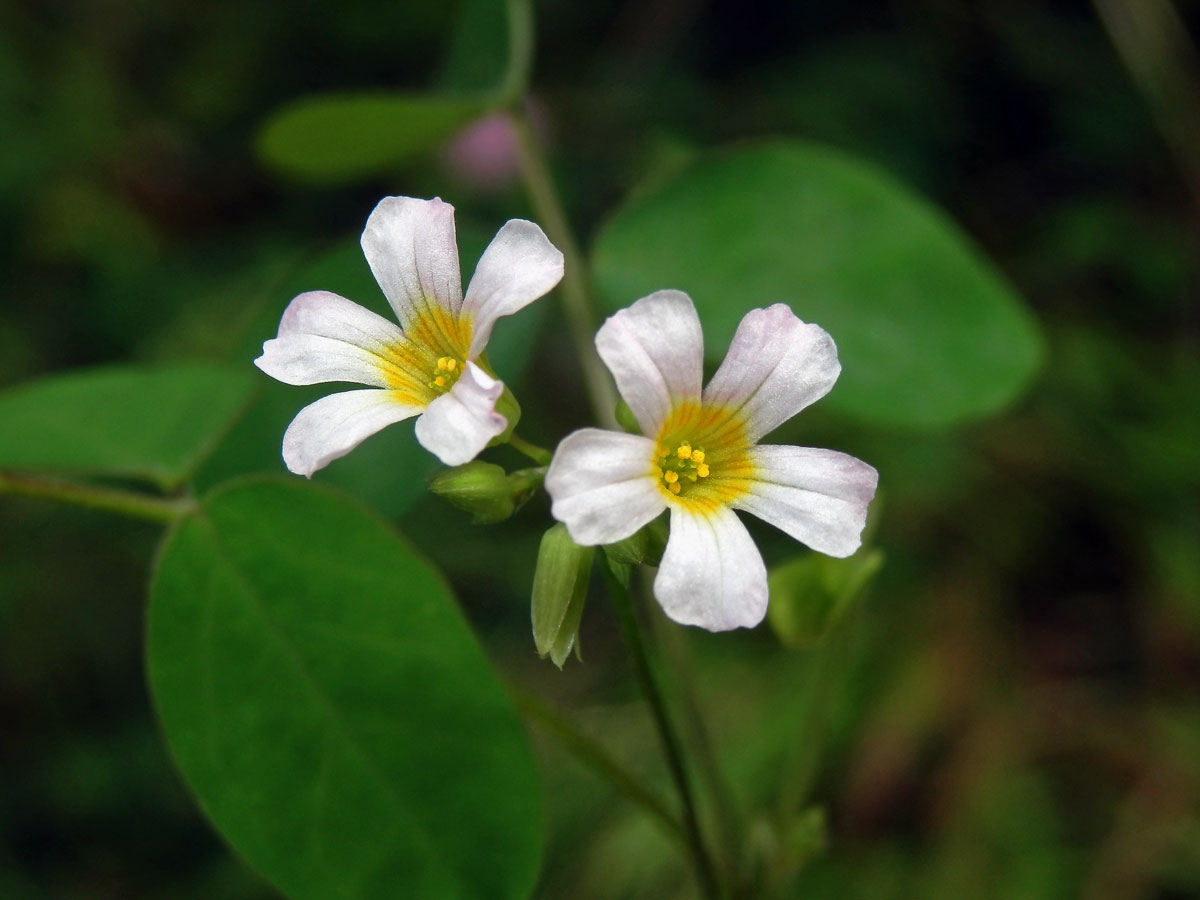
480	488
560	586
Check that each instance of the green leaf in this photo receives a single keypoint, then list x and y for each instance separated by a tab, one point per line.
335	138
477	58
811	594
152	423
928	333
330	707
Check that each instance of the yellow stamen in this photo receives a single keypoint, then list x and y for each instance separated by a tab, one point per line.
710	474
451	364
440	381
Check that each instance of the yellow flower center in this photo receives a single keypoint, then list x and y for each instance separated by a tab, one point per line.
430	360
682	467
445	373
701	458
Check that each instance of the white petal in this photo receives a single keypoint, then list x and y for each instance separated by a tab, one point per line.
324	337
655	351
711	574
776	366
600	485
458	425
410	247
335	425
518	266
819	497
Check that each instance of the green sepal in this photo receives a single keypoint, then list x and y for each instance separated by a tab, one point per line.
643	547
508	407
560	585
625	418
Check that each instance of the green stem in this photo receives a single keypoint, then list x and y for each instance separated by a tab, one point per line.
94	496
732	828
668	737
828	656
1152	41
520	51
539	455
599	760
577	302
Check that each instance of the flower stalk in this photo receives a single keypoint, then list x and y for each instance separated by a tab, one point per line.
593	755
672	748
577	301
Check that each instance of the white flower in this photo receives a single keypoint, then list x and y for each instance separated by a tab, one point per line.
427	367
700	457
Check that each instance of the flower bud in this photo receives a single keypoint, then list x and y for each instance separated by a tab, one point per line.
480	488
560	586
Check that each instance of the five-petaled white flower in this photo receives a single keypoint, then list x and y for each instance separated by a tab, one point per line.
429	366
700	457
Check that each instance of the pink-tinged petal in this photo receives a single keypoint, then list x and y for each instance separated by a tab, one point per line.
325	337
655	351
711	574
601	487
410	247
335	425
518	266
819	497
776	366
458	425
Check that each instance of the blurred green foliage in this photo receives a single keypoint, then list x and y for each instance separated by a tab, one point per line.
1009	712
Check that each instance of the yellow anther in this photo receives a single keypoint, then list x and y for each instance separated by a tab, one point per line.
673	488
441	364
697	456
684	451
664	451
670	477
451	364
702	470
440	381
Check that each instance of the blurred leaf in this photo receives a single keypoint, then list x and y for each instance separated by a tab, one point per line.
335	138
477	59
927	332
329	706
810	594
137	422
